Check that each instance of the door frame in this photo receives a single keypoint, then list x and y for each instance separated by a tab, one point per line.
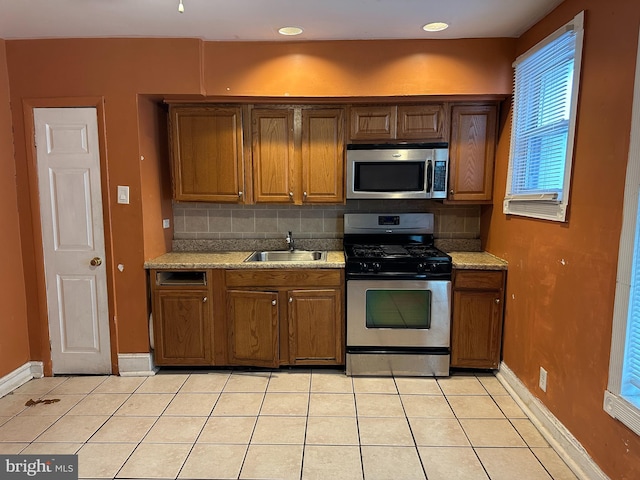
44	352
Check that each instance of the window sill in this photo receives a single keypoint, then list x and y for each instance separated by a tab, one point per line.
542	209
622	410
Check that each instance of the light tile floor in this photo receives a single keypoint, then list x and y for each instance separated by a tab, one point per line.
312	424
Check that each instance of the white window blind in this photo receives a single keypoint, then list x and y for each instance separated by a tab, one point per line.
545	103
630	388
622	397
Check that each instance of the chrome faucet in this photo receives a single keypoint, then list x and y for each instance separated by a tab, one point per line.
290	241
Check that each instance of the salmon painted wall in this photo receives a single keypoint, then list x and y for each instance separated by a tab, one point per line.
562	276
155	176
125	71
14	340
359	68
116	69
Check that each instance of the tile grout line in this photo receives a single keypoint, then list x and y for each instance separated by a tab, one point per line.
193	444
406	417
154	423
253	431
306	424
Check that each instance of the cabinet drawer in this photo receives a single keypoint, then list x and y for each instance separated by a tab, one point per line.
283	278
479	279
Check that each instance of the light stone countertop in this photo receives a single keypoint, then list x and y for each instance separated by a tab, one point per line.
477	261
335	259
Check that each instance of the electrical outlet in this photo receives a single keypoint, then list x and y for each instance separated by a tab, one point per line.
166	223
542	383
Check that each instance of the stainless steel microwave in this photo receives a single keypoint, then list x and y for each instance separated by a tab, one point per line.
408	171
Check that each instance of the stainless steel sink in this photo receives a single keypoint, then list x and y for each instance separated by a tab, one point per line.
288	256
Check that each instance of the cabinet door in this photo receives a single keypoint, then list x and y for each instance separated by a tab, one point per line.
315	327
253	328
273	155
207	153
182	331
323	155
472	152
373	122
476	329
423	122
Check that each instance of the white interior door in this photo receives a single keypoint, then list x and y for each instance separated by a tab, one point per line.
68	158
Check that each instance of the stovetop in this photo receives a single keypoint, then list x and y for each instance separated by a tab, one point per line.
382	244
389	252
414	260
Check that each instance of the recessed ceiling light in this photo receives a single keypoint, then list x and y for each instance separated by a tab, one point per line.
290	31
435	27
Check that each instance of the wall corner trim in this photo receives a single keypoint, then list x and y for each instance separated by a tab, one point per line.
20	376
136	365
554	432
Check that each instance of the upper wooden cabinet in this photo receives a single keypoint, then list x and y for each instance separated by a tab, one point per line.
274	175
422	123
207	153
322	155
298	155
472	152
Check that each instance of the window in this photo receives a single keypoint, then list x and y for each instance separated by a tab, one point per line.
622	397
544	109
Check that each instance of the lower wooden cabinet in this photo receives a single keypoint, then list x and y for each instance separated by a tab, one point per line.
300	311
250	317
252	322
181	320
315	326
476	328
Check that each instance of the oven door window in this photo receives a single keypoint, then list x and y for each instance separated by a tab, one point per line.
398	308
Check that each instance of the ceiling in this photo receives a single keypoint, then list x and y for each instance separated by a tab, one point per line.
259	20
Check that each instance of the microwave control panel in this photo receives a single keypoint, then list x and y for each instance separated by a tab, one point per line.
440	176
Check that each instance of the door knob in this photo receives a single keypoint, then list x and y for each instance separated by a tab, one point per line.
96	262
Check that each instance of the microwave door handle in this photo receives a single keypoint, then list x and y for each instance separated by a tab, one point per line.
429	175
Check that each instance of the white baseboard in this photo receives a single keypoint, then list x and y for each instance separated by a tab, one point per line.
136	365
20	376
554	432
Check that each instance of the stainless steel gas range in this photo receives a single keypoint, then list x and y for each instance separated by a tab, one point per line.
398	296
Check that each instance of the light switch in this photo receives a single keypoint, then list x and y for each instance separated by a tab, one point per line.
123	194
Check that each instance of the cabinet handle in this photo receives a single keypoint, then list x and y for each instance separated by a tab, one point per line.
304	194
273	302
204	300
239	194
290	194
290	299
451	192
497	300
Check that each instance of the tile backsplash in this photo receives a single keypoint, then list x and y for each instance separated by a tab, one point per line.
215	221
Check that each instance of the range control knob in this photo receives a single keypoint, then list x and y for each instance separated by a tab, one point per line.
376	267
420	268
